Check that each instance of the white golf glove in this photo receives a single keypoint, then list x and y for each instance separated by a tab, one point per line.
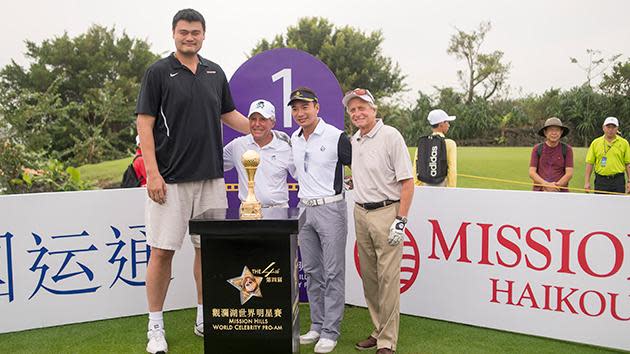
397	232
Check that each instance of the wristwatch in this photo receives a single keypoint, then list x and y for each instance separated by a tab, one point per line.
401	218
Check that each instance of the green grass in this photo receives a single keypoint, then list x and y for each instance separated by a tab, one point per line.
509	163
417	335
106	174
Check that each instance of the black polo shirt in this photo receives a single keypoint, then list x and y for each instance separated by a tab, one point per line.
187	108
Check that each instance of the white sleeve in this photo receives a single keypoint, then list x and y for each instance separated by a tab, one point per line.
228	162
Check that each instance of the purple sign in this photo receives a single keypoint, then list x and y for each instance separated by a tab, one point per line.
272	75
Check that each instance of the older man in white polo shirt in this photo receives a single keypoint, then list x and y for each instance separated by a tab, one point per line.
383	190
320	150
276	160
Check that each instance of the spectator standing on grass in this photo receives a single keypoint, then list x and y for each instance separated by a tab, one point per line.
551	162
138	164
135	175
435	163
610	156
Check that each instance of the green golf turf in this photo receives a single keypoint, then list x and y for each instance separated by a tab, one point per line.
417	335
509	163
106	174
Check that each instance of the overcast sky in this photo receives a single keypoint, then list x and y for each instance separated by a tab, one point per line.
537	36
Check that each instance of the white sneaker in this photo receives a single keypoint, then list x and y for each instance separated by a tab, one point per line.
325	345
199	329
309	337
157	342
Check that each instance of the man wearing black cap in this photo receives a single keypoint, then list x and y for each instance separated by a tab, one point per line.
319	152
551	162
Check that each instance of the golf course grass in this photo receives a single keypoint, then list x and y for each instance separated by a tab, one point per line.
484	163
417	335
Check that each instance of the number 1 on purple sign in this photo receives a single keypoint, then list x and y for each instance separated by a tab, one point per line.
285	76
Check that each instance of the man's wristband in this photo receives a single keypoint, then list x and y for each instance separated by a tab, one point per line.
402	218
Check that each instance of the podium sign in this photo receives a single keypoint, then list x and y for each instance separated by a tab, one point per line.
250	281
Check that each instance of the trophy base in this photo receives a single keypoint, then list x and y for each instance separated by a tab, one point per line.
250	210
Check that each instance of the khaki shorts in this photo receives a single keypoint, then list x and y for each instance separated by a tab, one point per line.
167	224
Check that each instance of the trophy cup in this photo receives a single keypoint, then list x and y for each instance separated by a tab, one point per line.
250	207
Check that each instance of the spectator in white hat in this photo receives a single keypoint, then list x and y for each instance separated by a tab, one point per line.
276	160
610	156
435	163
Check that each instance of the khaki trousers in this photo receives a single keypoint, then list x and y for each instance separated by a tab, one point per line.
380	271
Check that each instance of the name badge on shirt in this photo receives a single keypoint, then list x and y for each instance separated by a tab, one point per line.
603	162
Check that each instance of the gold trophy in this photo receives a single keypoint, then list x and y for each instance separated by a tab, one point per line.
250	208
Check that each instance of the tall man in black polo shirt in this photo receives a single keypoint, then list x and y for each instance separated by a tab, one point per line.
182	102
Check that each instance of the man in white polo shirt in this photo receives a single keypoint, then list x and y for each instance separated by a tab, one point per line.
276	160
383	190
319	151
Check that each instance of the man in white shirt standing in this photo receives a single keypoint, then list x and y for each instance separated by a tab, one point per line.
276	160
319	151
383	191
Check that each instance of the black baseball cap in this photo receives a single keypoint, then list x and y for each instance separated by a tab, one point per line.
303	94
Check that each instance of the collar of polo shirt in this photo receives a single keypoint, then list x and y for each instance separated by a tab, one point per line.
176	64
379	124
251	141
319	129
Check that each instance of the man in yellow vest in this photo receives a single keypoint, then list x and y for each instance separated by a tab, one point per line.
610	154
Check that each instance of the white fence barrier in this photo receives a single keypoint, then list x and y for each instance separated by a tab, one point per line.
546	264
79	256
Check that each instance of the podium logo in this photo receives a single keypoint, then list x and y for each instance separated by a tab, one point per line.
247	284
409	266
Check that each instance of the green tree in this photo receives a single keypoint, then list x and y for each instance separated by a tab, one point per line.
75	100
585	109
354	57
617	82
483	70
411	122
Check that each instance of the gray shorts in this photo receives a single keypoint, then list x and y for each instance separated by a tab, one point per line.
167	224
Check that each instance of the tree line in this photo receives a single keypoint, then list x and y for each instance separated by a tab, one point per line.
73	103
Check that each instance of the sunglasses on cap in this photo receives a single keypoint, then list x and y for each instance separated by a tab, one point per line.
360	92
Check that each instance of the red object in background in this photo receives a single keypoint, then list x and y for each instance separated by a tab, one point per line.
410	265
138	166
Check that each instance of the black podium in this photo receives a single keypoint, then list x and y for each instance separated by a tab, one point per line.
250	281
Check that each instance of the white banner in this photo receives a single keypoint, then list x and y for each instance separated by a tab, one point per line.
547	264
79	256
